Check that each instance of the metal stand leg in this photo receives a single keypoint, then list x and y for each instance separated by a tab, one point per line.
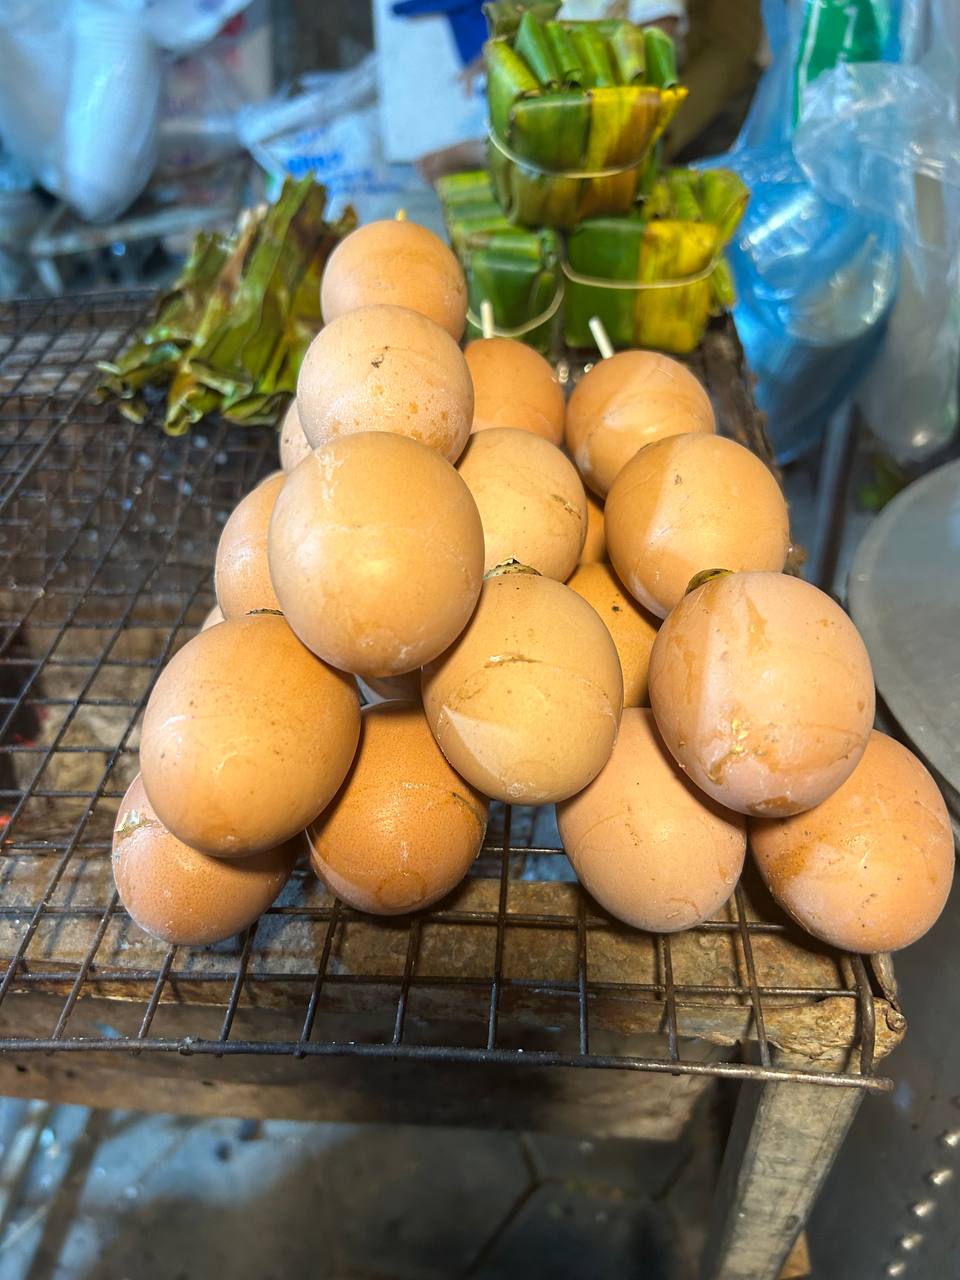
782	1143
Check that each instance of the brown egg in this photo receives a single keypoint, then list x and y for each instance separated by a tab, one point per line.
627	402
376	553
404	828
632	628
398	263
870	868
242	575
689	503
294	445
386	369
530	499
246	737
213	617
405	688
184	897
763	691
651	848
513	386
526	704
595	544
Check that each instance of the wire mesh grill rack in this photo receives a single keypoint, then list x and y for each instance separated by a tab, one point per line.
107	539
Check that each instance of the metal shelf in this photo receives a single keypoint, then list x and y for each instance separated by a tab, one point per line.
107	539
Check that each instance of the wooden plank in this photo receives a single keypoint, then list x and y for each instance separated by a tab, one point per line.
782	1144
598	1103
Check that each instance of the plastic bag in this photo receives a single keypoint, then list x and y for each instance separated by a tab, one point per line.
886	139
814	278
81	87
328	124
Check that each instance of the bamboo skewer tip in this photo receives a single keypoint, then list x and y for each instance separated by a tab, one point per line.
400	215
600	337
486	318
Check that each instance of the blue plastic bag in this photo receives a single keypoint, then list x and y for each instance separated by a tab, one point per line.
815	277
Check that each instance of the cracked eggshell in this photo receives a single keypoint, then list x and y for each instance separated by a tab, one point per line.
763	692
627	402
870	868
246	736
531	502
633	629
525	705
653	850
376	553
184	897
513	386
399	263
404	828
386	369
595	543
690	503
294	445
241	573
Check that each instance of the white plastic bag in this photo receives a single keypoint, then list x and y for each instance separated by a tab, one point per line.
885	138
80	90
328	124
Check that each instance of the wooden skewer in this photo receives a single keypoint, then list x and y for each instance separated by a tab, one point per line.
486	318
400	215
600	337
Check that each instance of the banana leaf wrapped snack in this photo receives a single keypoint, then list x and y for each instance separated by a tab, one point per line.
516	270
230	335
576	109
656	276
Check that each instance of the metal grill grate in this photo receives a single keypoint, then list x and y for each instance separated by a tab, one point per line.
107	537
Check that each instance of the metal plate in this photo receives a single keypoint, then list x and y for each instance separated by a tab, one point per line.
905	598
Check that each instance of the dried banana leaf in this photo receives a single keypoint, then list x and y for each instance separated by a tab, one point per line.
232	333
154	356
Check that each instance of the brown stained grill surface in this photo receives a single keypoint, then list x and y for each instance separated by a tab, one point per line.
107	538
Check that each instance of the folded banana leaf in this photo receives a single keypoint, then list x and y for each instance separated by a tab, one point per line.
723	199
568	102
627	266
231	334
504	16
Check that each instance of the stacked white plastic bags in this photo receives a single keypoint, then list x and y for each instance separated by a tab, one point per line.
81	86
